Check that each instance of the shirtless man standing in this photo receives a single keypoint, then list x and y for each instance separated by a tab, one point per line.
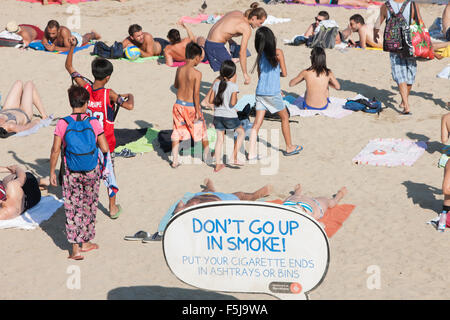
19	192
58	37
446	22
365	33
233	24
148	45
176	50
28	32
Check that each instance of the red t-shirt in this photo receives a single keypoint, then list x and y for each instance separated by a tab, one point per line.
100	107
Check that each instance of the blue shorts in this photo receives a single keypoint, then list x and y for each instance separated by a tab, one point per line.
273	104
222	123
216	53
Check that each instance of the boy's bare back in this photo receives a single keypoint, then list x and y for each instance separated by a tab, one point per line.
187	81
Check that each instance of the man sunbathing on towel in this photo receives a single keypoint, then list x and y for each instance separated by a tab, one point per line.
57	38
176	50
209	194
315	207
19	191
28	32
148	45
233	24
365	32
353	3
17	112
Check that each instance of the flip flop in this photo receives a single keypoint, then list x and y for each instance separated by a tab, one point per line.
296	151
77	257
137	236
95	246
152	238
118	213
406	113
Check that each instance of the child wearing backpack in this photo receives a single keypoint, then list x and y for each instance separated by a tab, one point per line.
79	135
270	62
224	97
101	105
318	78
398	15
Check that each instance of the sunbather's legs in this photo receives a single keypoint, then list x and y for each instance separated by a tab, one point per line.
209	186
31	97
14	96
260	193
259	118
91	36
38	102
326	203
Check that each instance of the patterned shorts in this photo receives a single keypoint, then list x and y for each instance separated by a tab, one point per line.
403	69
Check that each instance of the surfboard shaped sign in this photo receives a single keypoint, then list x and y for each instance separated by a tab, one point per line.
251	247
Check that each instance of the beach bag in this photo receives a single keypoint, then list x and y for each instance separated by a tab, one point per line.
325	38
165	140
420	38
368	106
396	33
115	51
81	150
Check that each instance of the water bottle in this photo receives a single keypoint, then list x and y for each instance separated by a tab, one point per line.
442	221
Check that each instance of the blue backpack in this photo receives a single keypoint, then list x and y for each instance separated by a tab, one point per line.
372	106
81	148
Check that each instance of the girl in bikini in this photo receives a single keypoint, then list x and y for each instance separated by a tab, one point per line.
318	78
17	112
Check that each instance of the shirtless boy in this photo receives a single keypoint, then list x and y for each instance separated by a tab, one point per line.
187	115
57	38
148	45
364	31
318	78
176	50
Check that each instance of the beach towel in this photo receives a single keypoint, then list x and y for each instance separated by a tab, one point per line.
334	110
43	123
108	175
333	5
37	45
333	218
9	39
33	217
141	145
211	19
391	152
142	59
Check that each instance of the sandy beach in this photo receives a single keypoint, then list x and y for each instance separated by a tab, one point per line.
387	228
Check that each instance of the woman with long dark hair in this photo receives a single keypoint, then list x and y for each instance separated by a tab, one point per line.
318	78
270	64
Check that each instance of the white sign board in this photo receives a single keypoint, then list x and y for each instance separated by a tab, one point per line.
252	247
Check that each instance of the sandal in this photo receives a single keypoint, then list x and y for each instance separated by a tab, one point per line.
137	236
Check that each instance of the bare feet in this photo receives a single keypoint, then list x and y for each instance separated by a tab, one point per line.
219	167
76	255
340	194
236	162
96	36
209	186
88	246
264	191
298	190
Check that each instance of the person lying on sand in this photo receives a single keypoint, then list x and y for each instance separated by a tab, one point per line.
17	112
28	32
208	194
19	191
365	32
57	38
446	22
353	3
148	45
315	207
176	50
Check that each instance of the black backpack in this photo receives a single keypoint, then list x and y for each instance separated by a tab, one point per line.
113	52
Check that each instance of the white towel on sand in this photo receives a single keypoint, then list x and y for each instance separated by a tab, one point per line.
444	74
334	110
33	217
391	152
274	20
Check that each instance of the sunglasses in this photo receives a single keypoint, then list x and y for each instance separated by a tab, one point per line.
317	19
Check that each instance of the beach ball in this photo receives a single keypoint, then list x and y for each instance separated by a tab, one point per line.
132	52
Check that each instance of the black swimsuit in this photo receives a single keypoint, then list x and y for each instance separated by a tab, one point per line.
31	191
163	42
